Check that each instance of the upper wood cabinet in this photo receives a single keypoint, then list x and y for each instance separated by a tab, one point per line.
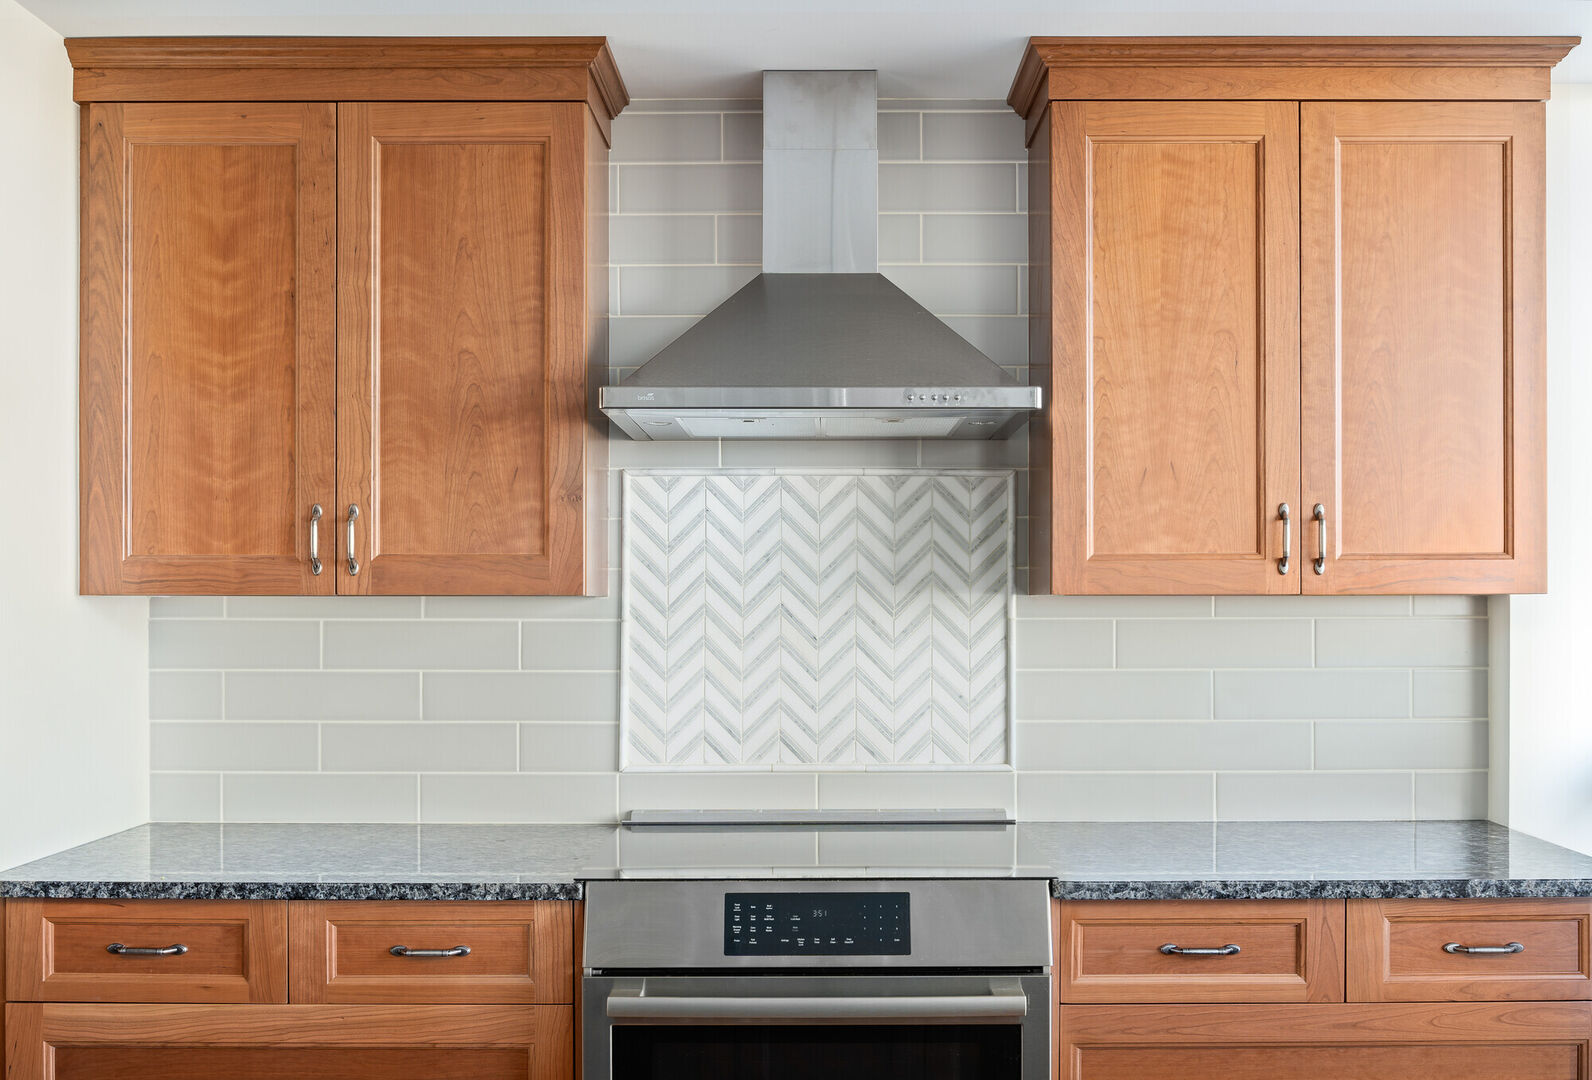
1289	322
343	343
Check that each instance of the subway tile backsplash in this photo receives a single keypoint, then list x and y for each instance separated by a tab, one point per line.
506	709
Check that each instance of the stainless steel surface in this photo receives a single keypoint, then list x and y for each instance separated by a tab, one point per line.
1320	516
127	950
315	539
639	819
1484	950
640	999
404	950
821	346
353	562
1287	538
679	925
1169	949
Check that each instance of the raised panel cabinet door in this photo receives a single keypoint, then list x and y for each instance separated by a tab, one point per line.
1171	434
1422	347
207	347
307	1042
1538	1041
462	368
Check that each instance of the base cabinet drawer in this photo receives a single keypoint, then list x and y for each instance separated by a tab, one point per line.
198	951
305	1042
1526	1041
1470	950
472	952
1117	951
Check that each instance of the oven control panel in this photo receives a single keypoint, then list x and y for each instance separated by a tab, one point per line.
818	924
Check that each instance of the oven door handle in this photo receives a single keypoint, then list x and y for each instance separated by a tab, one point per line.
1005	1001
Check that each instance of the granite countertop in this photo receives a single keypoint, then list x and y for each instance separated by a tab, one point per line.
1083	860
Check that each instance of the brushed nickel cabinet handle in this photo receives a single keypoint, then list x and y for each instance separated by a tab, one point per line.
404	950
1287	538
1170	949
1484	950
1320	515
353	561
127	950
315	539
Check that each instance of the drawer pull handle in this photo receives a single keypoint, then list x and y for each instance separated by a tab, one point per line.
1287	539
1484	950
1170	949
404	950
127	950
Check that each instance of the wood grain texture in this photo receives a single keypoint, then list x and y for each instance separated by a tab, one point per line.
206	352
1396	950
463	322
350	69
327	1042
1546	1041
1287	68
519	953
1423	349
594	521
1109	951
1172	396
237	950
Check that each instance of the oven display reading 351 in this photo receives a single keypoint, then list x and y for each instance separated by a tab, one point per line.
817	924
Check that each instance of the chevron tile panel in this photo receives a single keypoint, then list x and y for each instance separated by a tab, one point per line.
816	619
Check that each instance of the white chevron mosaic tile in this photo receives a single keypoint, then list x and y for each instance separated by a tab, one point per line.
816	619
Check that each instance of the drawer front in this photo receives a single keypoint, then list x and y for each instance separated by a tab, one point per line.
1396	950
1112	952
518	952
181	951
1522	1041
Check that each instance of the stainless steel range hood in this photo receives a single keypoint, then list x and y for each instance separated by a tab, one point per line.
821	345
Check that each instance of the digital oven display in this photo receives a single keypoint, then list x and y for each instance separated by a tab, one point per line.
817	924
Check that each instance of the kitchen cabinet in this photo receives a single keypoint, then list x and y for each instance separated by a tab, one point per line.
1287	312
343	342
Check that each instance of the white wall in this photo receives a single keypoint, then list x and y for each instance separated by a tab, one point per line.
1543	678
73	689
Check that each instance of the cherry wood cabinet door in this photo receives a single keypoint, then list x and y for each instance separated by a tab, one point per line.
307	1042
1422	346
461	347
1539	1041
1171	433
207	346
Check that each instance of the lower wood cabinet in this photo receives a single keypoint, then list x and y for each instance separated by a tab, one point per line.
1535	1041
307	1042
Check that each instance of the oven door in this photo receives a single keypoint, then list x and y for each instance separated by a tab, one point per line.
817	1027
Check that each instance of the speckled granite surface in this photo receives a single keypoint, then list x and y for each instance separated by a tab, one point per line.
1085	861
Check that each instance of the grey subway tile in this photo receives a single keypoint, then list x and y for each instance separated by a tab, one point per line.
526	607
1309	695
1113	695
1450	796
882	453
520	797
184	796
957	789
1063	643
185	695
952	188
627	453
717	791
1129	746
975	238
1293	607
1401	643
1179	796
319	797
1002	338
690	188
740	239
230	746
418	748
548	747
1009	453
322	695
635	339
208	643
960	290
679	290
898	238
1471	606
743	136
1113	607
1451	694
661	238
422	644
569	646
1318	796
900	136
323	607
1401	744
570	696
697	105
666	137
186	607
973	136
1214	643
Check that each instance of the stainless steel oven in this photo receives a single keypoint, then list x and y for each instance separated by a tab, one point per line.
817	980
